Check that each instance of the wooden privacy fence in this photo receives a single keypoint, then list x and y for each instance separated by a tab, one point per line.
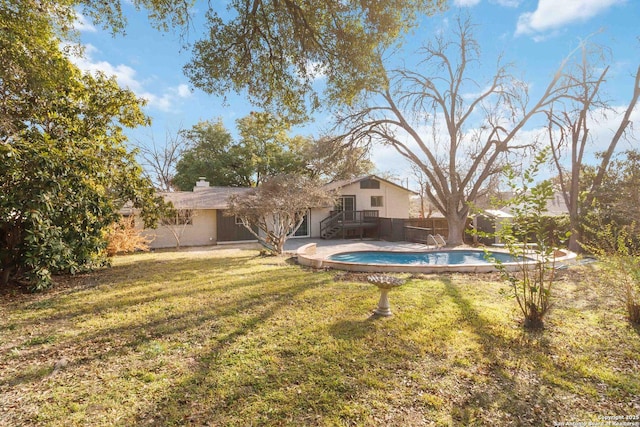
415	229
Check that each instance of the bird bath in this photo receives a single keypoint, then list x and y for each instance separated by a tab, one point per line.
385	284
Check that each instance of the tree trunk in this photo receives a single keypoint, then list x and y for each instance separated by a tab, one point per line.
278	246
457	225
5	274
574	210
574	239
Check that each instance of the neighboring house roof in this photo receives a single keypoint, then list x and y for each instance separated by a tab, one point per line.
344	182
204	198
495	213
556	206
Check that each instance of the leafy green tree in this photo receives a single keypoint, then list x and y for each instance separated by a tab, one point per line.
32	65
274	211
272	49
609	226
617	199
330	159
264	149
65	172
268	148
275	49
212	154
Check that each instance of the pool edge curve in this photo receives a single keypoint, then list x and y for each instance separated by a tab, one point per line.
307	256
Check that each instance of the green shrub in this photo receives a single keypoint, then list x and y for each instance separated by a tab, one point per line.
619	251
530	234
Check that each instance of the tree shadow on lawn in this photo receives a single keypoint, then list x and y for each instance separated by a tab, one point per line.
206	391
123	287
498	386
524	380
352	329
111	342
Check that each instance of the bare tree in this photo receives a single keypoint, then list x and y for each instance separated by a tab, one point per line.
159	161
425	208
176	220
569	131
274	211
457	158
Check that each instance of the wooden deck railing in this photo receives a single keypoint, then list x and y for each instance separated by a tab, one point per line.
339	220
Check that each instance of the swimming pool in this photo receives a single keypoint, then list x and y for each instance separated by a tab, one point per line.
402	261
450	257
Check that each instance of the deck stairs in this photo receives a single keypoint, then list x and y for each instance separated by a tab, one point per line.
331	232
338	222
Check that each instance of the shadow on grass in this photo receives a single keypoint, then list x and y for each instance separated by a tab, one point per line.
204	391
512	387
133	287
351	329
279	346
165	321
529	379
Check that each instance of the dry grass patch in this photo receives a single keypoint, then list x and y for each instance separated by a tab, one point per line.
227	337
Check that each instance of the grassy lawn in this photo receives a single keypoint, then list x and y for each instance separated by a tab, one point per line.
225	337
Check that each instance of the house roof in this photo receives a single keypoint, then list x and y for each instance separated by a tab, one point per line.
204	198
556	206
344	182
498	213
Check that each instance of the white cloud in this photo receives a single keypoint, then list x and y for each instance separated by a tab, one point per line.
82	24
507	3
465	3
183	91
127	77
552	14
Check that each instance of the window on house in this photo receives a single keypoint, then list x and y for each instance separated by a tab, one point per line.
370	184
238	220
180	217
376	201
303	231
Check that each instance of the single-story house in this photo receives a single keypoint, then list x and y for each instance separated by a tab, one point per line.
202	220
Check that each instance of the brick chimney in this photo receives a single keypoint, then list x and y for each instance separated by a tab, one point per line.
202	184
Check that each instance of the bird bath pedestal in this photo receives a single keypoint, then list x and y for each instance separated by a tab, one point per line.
385	284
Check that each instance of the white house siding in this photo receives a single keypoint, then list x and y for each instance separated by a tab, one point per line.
395	201
317	215
201	232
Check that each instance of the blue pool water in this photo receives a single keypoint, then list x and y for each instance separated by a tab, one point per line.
421	258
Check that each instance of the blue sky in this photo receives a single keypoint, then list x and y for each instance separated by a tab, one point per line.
534	35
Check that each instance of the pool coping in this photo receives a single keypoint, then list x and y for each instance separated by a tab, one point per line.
308	255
